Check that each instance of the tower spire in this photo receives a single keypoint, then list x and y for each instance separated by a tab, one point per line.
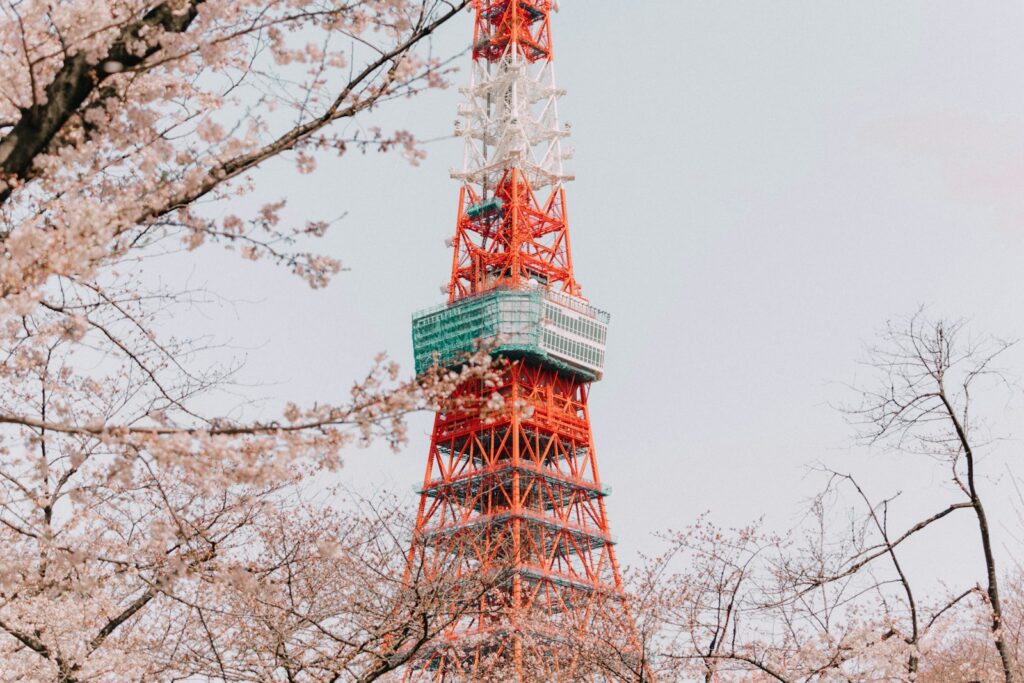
512	225
516	490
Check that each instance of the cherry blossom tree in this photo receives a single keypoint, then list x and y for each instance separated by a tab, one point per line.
923	405
837	598
144	536
728	605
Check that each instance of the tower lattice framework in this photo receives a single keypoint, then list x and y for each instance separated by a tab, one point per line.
512	482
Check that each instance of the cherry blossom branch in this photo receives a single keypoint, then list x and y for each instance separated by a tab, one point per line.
240	164
883	550
75	81
354	415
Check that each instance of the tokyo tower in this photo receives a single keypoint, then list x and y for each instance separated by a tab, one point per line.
516	486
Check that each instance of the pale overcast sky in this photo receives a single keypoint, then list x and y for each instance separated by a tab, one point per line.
760	186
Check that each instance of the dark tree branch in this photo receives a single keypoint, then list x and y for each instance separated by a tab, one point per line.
76	80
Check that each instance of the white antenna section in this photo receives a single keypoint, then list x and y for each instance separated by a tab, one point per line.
510	120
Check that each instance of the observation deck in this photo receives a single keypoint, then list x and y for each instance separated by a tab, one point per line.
553	328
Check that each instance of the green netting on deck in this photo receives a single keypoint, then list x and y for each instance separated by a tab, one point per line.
562	332
508	319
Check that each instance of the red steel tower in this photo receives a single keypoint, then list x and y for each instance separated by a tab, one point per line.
515	486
